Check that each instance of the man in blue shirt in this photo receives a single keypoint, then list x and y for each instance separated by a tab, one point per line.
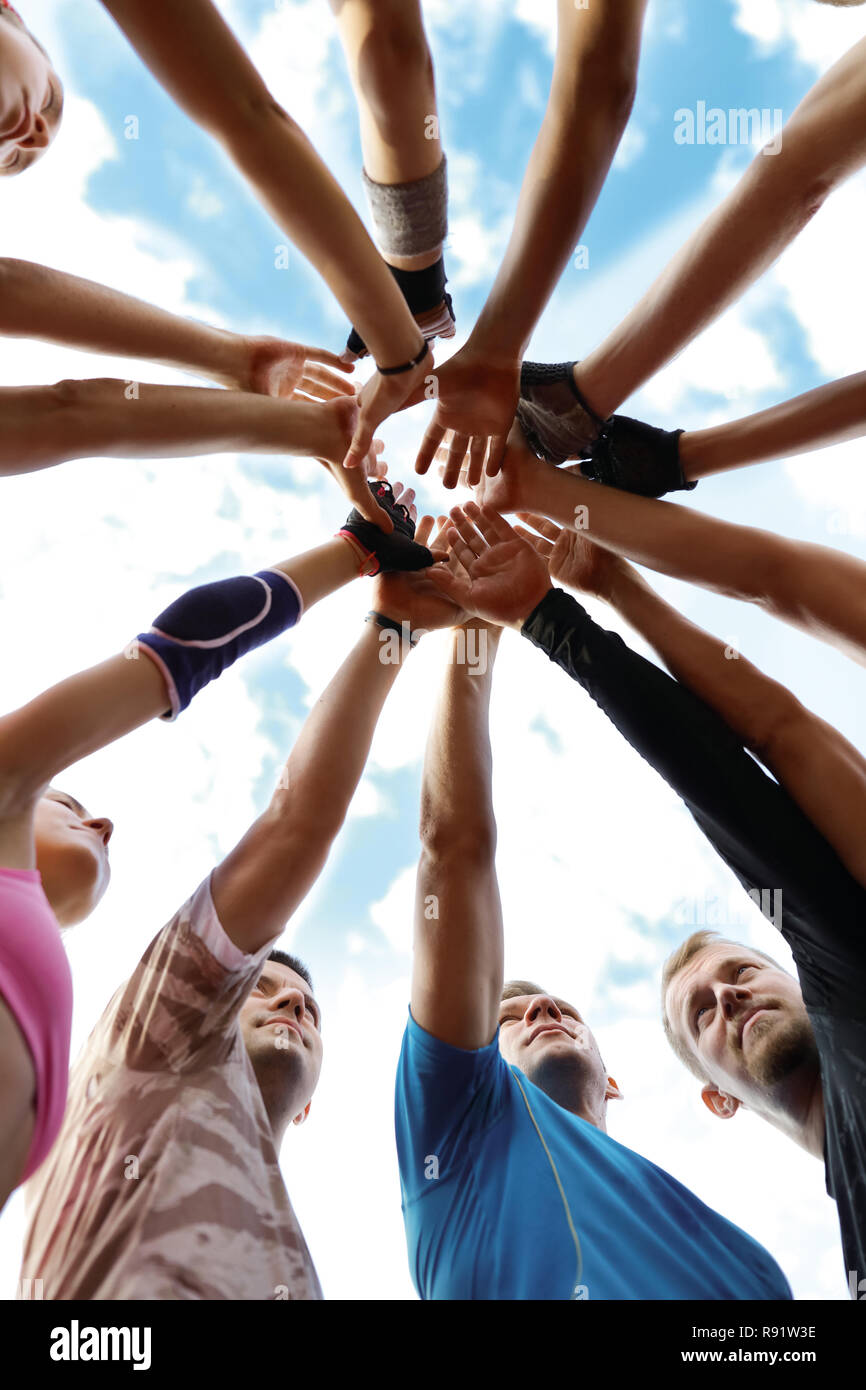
512	1188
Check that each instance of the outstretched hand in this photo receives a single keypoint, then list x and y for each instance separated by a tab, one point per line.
380	397
573	559
499	576
414	598
476	404
273	367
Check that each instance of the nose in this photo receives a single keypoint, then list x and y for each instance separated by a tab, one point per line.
39	135
542	1006
289	999
732	998
104	827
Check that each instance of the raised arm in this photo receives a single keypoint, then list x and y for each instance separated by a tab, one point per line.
260	884
591	96
46	425
458	961
194	54
823	773
816	588
38	302
191	643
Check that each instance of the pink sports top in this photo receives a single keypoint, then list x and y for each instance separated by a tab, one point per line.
36	984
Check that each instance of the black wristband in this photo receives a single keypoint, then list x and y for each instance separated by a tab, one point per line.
391	625
405	366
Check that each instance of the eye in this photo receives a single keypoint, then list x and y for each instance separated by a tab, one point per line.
741	968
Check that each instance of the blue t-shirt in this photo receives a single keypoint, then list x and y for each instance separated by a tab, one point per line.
484	1216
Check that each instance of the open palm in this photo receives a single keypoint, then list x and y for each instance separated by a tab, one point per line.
501	577
573	559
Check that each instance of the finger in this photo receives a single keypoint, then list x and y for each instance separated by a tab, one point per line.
349	358
467	531
454	462
495	454
429	444
462	555
542	525
360	446
543	547
329	359
475	466
483	524
318	390
498	527
424	530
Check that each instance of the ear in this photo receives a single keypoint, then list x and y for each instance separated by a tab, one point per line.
612	1091
721	1104
299	1119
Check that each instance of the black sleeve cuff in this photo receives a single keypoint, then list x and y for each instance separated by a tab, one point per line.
557	615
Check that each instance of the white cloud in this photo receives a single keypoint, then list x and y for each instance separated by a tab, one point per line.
631	146
818	33
589	835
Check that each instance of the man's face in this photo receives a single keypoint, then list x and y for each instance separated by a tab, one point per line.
280	1022
539	1034
745	1022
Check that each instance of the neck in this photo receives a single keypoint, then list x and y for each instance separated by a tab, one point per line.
574	1095
797	1111
280	1103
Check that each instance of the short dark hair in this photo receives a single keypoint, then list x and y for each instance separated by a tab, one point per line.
292	963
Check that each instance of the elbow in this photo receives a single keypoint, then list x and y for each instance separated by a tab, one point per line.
248	117
471	843
776	724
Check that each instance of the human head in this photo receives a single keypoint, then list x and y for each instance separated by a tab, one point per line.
737	1020
31	96
71	855
281	1026
546	1038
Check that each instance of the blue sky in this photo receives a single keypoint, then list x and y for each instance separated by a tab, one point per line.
166	217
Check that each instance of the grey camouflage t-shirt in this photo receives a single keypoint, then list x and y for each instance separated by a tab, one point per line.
164	1181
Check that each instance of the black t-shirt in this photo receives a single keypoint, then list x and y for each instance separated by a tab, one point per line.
833	980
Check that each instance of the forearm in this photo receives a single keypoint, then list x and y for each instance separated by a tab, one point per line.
47	425
38	302
260	884
190	644
278	159
194	54
591	96
822	144
738	692
823	773
456	791
830	414
73	719
458	953
664	536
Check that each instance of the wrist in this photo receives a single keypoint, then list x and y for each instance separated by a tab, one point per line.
621	585
540	595
393	637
